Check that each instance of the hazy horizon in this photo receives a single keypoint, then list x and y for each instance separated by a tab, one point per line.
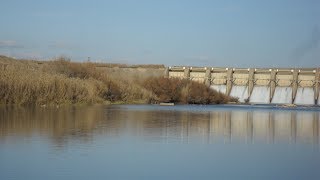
243	33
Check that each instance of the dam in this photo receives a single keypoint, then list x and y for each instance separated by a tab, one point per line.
298	86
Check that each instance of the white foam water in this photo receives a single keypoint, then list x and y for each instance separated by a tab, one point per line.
240	92
219	88
304	96
282	95
260	94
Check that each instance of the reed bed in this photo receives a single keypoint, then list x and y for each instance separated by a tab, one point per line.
29	82
27	87
181	91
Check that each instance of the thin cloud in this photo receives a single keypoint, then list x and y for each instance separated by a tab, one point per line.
28	55
61	45
9	44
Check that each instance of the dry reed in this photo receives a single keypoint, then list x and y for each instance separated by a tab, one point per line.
27	82
182	91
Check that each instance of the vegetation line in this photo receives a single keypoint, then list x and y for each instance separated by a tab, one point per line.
27	82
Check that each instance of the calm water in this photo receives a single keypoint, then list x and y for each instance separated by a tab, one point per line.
156	142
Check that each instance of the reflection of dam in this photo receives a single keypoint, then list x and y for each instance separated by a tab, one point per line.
85	123
298	86
239	126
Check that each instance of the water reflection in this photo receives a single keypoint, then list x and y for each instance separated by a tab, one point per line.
61	125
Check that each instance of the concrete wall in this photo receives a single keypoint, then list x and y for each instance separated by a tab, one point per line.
292	79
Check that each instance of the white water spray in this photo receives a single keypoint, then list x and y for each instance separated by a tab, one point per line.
260	94
219	88
304	96
282	95
240	92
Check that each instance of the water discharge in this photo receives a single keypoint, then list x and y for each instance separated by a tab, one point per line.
304	96
240	92
219	87
260	94
282	95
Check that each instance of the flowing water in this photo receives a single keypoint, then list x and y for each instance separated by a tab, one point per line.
240	92
159	142
260	94
282	95
305	96
219	88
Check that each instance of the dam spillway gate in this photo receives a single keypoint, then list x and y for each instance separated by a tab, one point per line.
257	85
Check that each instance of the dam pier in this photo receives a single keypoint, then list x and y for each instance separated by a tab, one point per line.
257	85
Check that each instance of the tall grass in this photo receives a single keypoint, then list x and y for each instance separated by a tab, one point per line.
121	85
61	81
64	82
27	87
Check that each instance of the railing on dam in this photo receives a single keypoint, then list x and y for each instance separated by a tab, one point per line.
257	85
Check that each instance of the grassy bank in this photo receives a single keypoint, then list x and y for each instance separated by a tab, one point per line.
27	82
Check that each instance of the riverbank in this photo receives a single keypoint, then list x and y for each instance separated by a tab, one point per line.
61	81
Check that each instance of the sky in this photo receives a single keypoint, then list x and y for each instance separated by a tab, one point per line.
241	33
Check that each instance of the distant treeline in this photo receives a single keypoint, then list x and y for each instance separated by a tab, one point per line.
26	82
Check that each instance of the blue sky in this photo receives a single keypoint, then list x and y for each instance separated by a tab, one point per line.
243	33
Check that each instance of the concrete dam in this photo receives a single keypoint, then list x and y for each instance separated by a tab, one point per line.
257	85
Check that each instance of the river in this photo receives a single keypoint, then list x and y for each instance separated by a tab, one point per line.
158	142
